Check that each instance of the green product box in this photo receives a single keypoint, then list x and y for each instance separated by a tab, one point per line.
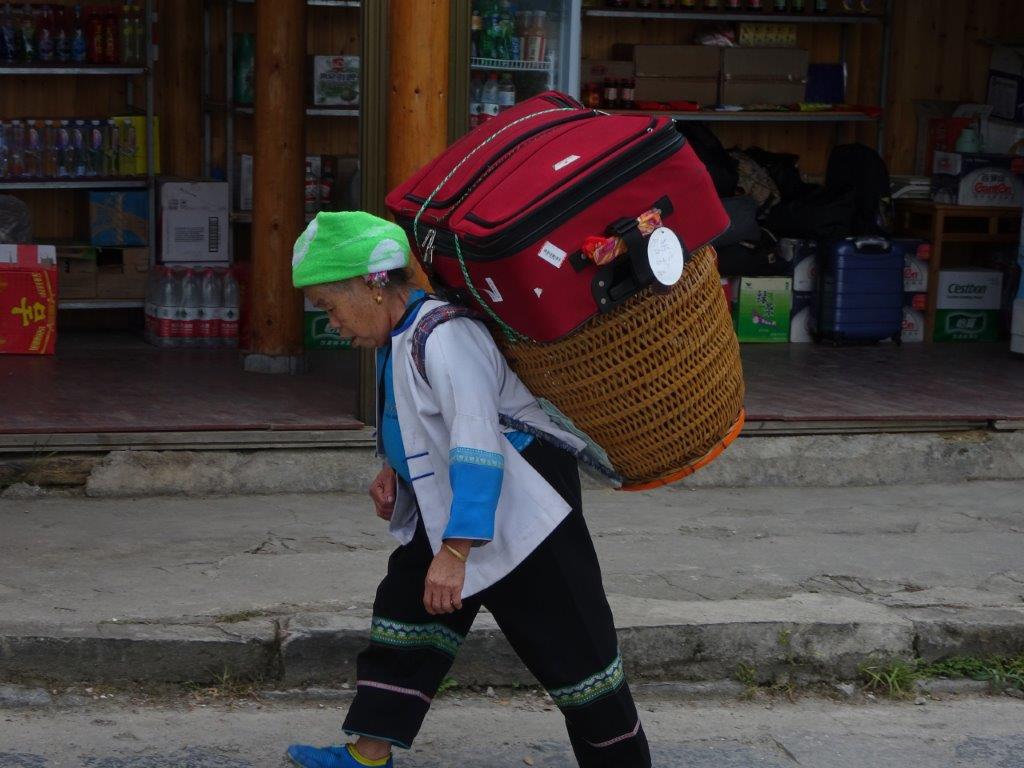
763	309
320	335
966	325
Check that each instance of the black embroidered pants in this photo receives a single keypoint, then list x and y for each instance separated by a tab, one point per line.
551	607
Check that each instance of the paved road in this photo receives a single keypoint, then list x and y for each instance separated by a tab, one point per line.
490	732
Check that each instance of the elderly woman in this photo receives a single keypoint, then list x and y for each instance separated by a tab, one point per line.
486	514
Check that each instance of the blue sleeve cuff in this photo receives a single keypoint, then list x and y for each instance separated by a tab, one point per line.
476	478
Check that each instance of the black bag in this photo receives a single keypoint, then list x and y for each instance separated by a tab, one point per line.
857	169
821	215
745	248
782	167
720	164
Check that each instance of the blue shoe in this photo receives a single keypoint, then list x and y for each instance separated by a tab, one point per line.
326	757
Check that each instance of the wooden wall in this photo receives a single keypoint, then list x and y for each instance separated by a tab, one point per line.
938	53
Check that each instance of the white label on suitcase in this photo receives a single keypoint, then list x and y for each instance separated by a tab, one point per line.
567	161
552	254
665	253
492	291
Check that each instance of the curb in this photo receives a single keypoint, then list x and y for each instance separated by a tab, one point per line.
801	639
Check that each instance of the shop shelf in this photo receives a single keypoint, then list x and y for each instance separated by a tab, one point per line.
777	18
716	116
320	3
505	65
238	109
100	304
62	71
75	184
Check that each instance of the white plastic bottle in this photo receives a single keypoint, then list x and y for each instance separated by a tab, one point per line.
231	311
490	104
212	297
189	309
167	300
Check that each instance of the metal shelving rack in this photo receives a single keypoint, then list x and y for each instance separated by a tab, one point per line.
147	183
845	22
229	108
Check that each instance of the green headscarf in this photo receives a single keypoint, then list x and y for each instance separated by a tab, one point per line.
338	245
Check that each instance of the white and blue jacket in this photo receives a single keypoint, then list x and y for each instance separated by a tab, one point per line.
453	439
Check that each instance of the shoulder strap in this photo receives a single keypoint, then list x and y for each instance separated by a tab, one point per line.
426	326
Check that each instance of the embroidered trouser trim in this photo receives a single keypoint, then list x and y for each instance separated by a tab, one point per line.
553	610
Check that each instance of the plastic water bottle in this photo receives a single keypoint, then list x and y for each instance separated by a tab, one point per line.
168	297
189	309
231	310
212	297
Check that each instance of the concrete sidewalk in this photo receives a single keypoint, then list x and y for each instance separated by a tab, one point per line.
793	583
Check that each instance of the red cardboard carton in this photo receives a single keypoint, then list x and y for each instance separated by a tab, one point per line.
28	299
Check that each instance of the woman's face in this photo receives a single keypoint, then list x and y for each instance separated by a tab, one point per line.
353	312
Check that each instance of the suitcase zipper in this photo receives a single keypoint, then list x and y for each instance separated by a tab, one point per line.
665	143
487	167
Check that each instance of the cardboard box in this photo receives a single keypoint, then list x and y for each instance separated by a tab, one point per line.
1006	82
122	274
764	75
701	91
336	81
28	299
318	332
1001	136
139	167
700	61
968	305
118	219
194	225
596	70
978	179
76	273
763	309
803	317
746	93
801	257
915	307
942	135
915	269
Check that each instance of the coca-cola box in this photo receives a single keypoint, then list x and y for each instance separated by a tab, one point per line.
960	178
28	299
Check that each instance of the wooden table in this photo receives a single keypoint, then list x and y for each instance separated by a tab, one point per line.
943	224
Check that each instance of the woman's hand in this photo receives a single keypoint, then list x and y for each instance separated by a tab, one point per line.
445	578
382	491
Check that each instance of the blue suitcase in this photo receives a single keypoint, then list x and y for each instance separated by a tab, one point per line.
860	290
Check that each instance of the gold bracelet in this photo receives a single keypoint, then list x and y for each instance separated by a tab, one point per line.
458	555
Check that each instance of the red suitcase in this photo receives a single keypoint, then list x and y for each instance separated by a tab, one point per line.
503	213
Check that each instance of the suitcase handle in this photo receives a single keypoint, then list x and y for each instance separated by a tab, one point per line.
631	273
874	244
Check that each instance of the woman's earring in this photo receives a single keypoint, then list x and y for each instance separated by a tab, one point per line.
379	298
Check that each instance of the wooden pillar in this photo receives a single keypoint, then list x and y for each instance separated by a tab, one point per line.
279	159
418	95
180	88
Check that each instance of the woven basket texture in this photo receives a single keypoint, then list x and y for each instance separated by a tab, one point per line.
657	383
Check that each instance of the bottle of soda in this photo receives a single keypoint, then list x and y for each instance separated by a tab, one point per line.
79	44
536	39
16	149
46	36
62	37
79	132
5	157
111	37
821	6
232	310
127	34
8	37
50	149
65	155
476	26
755	5
129	149
139	36
798	6
210	309
628	94
310	186
506	92
33	150
29	51
611	94
781	6
112	149
710	5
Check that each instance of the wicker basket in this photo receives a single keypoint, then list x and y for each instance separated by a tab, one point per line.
657	383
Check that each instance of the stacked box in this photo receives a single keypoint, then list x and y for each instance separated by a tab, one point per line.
763	309
28	299
968	305
677	73
119	219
